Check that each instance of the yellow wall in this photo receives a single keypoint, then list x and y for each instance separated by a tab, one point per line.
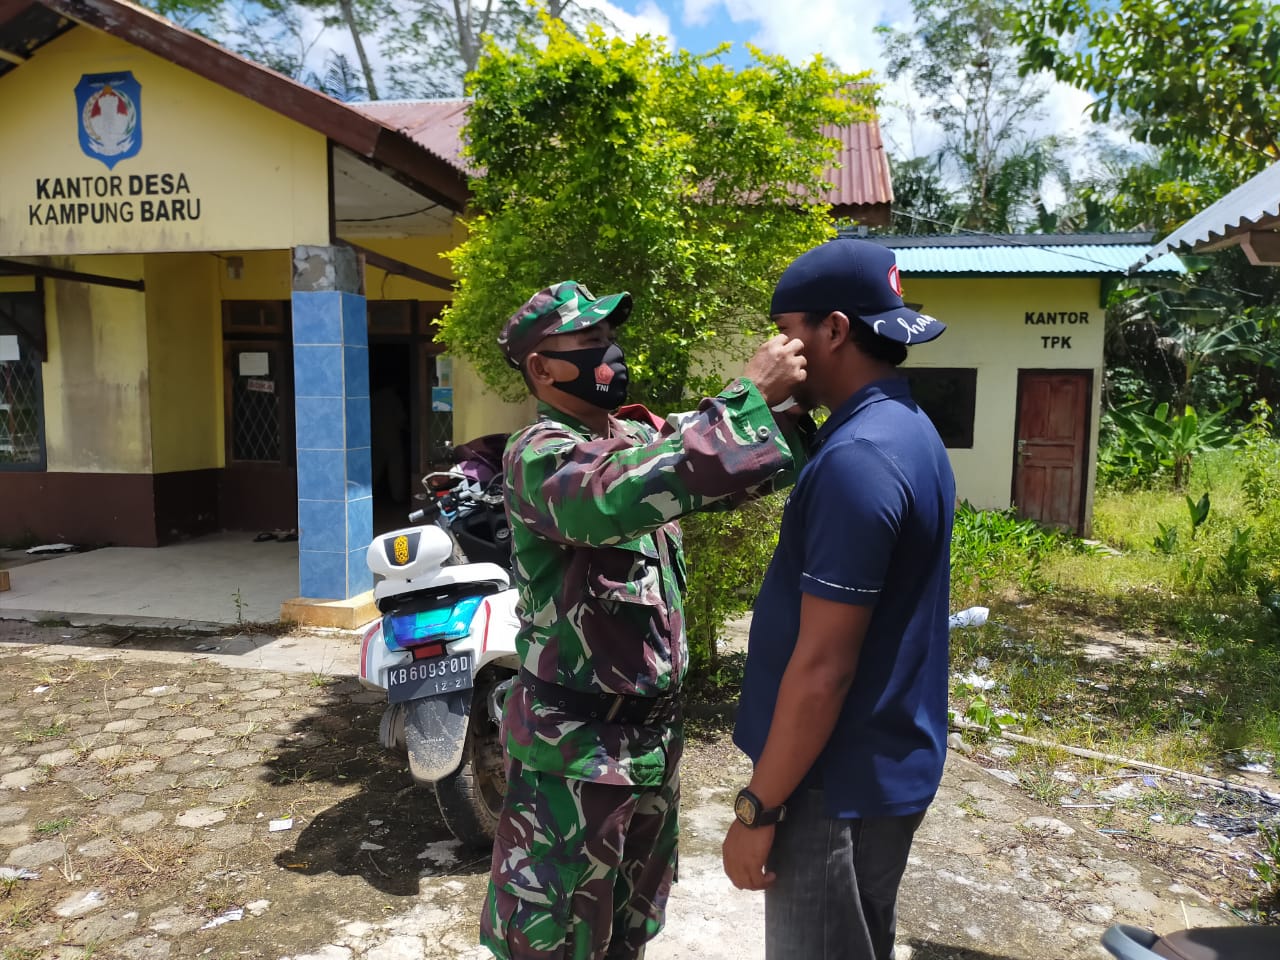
17	284
424	252
477	411
184	344
96	386
264	275
987	330
255	179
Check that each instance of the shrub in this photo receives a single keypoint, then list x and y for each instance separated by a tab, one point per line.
727	556
995	547
1260	460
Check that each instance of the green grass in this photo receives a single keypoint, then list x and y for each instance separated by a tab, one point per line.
1133	654
50	827
29	734
1167	651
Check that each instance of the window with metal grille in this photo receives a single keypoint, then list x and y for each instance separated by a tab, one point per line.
947	395
21	389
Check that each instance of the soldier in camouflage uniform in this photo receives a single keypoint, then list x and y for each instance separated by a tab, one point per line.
585	851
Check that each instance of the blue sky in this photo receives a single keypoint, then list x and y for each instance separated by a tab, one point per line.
843	30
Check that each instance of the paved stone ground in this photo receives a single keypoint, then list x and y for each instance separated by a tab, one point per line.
139	782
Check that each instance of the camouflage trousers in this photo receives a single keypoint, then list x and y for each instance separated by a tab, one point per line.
581	870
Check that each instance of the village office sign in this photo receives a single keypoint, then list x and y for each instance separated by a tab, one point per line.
1054	318
145	198
109	125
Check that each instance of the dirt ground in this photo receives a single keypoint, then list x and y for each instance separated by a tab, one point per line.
153	785
142	783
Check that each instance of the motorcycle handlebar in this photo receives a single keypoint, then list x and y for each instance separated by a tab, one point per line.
417	516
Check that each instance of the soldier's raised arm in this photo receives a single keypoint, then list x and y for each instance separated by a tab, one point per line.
609	490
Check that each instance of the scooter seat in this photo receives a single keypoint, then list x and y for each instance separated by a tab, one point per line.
1220	943
1205	943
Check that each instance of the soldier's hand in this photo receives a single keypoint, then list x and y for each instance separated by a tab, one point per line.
777	368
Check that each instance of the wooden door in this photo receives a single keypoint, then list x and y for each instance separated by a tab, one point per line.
258	488
1051	446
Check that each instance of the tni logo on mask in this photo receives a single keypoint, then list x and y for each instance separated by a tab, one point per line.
604	377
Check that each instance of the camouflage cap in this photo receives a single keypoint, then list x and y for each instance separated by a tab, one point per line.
560	308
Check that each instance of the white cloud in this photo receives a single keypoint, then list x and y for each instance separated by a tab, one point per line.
650	19
698	12
838	29
844	31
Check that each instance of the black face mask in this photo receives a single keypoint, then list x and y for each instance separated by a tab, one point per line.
602	375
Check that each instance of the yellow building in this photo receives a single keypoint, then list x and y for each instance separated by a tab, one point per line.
1015	384
187	241
218	288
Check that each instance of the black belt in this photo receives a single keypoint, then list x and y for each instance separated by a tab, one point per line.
605	707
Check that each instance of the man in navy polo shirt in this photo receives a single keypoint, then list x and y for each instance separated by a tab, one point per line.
844	704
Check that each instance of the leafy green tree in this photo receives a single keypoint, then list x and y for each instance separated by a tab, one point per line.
625	165
271	33
1199	79
360	18
960	61
274	36
435	44
921	195
339	79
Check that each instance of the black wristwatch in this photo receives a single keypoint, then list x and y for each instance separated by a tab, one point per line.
751	813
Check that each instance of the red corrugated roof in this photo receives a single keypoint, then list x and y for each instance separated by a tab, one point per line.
434	125
862	186
862	179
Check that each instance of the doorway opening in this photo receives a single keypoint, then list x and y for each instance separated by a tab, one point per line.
390	438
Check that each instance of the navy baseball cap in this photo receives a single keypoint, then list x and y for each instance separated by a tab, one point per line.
858	278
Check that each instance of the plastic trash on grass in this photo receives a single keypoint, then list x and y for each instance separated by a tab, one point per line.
972	617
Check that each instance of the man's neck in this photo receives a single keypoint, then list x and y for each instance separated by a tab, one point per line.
592	417
856	377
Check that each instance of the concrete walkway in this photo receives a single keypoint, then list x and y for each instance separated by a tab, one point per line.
234	802
224	578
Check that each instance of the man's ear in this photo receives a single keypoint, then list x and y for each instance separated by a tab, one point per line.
835	329
535	366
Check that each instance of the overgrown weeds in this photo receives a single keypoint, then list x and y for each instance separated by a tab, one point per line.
997	549
1165	651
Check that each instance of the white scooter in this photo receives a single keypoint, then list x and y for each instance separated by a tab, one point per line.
444	649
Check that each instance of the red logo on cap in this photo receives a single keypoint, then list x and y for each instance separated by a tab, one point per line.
604	374
895	282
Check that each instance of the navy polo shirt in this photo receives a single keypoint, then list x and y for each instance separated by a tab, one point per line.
868	523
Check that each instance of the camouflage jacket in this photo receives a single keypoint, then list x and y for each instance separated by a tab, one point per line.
600	571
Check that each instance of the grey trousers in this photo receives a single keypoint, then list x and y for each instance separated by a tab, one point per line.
837	889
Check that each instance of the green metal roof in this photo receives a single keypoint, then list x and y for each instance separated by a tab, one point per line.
1088	256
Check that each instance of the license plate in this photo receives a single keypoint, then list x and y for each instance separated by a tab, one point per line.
429	678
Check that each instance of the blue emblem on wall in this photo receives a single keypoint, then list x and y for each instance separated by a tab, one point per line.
109	111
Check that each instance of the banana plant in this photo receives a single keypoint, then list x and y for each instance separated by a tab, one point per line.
1159	439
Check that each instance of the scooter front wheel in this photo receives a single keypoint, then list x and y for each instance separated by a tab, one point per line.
471	798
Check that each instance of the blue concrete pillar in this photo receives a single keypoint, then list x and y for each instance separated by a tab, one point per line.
331	387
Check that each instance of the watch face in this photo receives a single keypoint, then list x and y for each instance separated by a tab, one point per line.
745	810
